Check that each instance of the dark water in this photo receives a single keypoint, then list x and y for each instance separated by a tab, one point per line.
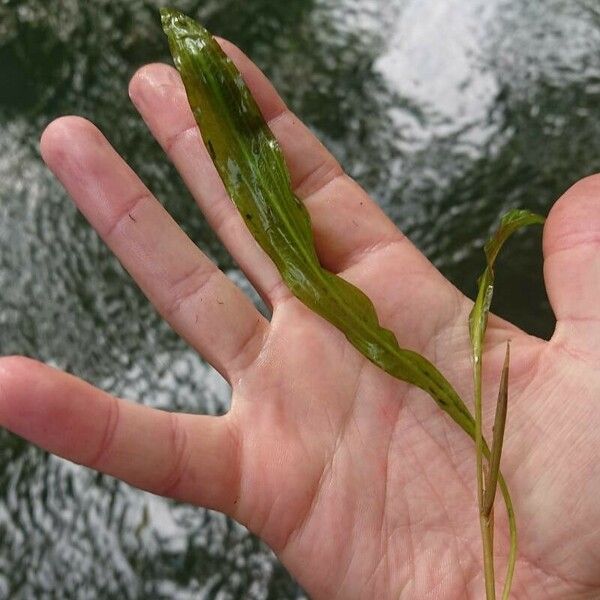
448	111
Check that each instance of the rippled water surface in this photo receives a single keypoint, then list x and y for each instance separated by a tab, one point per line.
448	111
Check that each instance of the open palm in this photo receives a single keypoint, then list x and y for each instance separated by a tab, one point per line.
362	486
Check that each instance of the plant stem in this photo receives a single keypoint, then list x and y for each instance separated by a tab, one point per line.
484	522
487	536
512	526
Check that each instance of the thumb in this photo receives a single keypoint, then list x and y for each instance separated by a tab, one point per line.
572	267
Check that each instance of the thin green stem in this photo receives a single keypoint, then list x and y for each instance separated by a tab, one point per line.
510	512
512	526
484	522
487	537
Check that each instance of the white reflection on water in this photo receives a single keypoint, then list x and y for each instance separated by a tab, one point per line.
432	59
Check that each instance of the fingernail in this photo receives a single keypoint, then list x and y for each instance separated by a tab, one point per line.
146	82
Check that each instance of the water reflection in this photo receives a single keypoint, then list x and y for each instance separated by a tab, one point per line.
448	112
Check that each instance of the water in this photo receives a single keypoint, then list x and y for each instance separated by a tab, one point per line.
449	112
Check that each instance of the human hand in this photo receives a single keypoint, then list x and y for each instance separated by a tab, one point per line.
363	487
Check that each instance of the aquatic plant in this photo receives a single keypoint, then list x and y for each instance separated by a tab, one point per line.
252	167
486	487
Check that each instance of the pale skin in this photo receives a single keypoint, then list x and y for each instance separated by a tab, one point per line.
360	484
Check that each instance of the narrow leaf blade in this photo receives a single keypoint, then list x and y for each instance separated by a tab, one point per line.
251	165
498	438
509	224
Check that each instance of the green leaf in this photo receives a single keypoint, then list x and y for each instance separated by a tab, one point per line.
251	165
511	222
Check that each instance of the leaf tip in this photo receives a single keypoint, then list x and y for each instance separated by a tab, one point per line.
167	17
178	25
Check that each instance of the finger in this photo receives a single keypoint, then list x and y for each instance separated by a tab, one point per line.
346	223
189	457
572	265
197	299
